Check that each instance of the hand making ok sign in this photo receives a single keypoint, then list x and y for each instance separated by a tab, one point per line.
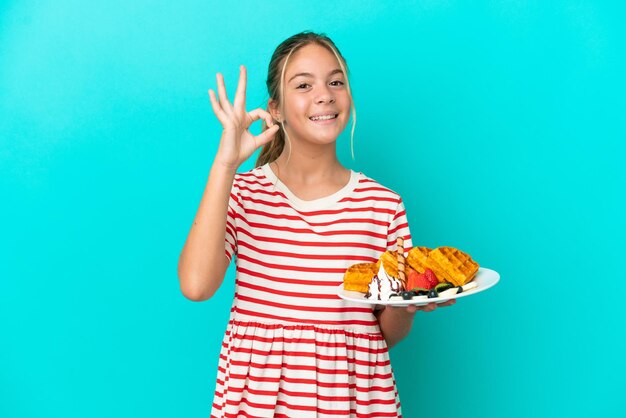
237	143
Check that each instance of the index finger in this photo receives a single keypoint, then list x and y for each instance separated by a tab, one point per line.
240	95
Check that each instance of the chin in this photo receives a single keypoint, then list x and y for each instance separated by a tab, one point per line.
326	139
319	137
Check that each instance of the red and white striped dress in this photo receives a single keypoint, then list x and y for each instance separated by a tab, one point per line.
292	347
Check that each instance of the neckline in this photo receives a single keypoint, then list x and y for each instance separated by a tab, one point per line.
315	204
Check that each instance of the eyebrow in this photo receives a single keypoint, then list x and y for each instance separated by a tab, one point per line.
333	72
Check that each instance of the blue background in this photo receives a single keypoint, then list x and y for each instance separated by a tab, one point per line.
505	117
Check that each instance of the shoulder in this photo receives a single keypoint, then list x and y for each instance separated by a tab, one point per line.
374	188
255	178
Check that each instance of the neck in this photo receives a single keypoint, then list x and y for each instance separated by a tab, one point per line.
310	164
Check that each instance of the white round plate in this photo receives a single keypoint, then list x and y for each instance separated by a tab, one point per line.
485	278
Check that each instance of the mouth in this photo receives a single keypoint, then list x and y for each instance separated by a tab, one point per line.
324	118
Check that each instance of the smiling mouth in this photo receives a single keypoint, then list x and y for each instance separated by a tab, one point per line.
325	117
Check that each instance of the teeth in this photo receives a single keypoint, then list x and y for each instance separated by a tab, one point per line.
327	117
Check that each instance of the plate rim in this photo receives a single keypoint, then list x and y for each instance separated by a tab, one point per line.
483	270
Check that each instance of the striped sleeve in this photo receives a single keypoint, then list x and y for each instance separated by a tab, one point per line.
234	205
399	226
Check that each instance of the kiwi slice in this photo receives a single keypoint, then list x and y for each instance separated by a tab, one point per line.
443	286
420	291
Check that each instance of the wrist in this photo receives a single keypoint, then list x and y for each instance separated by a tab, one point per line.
224	167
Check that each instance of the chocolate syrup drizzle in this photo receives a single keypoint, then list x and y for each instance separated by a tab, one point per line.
394	285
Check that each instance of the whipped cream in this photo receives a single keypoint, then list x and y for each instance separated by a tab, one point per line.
382	285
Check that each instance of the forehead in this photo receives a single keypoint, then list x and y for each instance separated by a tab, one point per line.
312	58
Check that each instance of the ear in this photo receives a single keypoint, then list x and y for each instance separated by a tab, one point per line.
272	106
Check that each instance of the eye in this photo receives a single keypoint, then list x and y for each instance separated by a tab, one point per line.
337	83
302	85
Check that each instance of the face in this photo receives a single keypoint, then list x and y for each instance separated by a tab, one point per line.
316	104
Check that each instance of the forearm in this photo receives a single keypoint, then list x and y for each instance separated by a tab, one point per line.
203	263
395	324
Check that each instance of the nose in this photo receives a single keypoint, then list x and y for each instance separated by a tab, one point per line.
325	96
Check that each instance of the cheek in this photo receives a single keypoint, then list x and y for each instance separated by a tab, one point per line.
344	100
295	107
347	96
347	104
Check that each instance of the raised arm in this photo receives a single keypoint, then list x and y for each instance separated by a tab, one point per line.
203	261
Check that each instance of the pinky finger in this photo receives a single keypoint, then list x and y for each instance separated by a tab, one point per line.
217	108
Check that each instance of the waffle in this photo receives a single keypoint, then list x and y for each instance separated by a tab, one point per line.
390	263
416	258
452	265
359	276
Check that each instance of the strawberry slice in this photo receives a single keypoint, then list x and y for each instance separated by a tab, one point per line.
431	277
416	279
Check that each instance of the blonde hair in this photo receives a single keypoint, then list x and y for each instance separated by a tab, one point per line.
276	88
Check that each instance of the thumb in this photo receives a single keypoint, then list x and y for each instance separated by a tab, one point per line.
266	136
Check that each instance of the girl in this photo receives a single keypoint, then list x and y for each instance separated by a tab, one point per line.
295	223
